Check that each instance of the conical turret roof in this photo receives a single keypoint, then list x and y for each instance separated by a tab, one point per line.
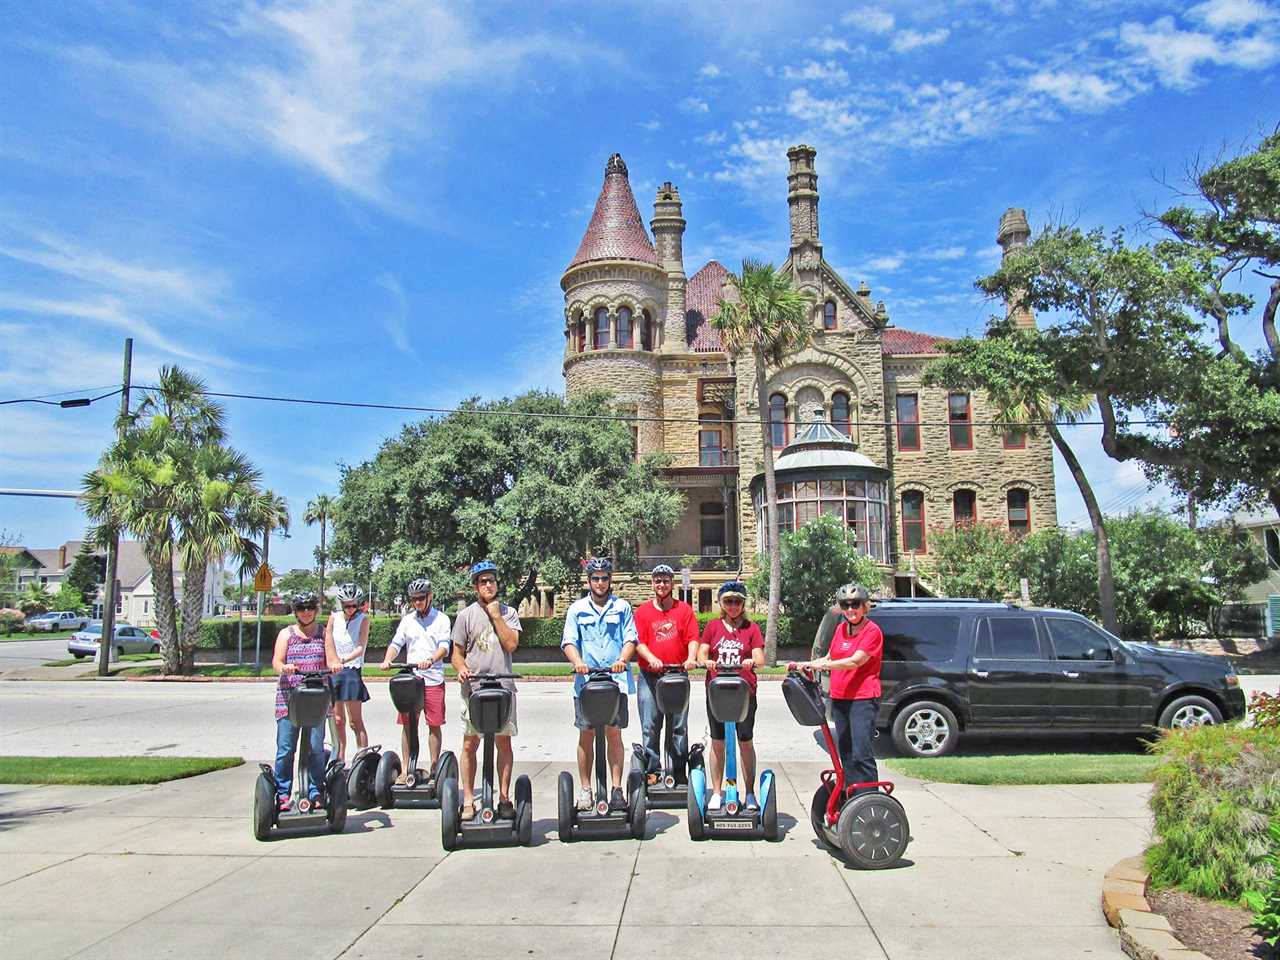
821	445
616	231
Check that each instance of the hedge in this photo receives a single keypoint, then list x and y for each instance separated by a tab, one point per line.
537	631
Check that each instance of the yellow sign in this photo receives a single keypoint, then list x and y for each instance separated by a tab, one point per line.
262	579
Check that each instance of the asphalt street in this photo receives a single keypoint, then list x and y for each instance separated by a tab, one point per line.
16	654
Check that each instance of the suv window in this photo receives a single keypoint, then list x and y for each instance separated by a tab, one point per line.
919	639
1075	640
1007	638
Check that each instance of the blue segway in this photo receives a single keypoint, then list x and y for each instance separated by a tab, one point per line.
729	699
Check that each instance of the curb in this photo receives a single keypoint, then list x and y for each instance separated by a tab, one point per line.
181	678
1144	935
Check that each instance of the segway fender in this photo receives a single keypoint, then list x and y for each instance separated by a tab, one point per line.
698	787
766	787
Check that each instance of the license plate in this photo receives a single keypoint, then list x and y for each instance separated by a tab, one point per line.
731	825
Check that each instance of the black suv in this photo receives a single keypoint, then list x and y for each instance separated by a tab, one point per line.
957	665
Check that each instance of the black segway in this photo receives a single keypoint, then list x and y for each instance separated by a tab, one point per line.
601	698
308	708
671	692
864	821
489	708
421	788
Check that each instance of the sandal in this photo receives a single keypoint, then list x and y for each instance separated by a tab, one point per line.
651	779
469	811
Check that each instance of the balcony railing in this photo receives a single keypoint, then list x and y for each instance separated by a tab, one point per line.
715	457
728	562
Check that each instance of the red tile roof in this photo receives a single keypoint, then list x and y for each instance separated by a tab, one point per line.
895	341
616	231
700	298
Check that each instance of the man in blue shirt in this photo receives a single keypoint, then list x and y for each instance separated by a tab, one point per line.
600	632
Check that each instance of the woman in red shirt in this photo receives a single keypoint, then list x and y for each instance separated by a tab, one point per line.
854	664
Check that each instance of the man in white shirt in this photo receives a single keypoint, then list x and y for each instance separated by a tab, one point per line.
425	631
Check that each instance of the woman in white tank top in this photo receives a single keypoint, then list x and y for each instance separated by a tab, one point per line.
348	629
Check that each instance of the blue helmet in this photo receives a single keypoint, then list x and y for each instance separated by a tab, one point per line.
663	569
733	588
599	565
484	566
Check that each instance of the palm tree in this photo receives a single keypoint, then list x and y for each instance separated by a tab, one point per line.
319	511
767	318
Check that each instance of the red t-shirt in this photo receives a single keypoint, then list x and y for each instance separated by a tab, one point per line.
859	683
729	645
667	633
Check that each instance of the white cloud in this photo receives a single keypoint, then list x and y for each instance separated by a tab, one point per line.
1078	90
694	105
710	71
943	253
1175	54
396	321
909	40
651	125
832	45
754	160
829	72
834	114
870	19
887	263
1231	14
711	138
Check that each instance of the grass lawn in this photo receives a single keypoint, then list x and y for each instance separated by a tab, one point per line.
28	635
248	670
70	661
1032	768
103	771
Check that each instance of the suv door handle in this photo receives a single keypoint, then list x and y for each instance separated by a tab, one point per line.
1068	673
983	674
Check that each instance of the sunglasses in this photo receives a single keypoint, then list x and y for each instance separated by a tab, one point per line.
310	609
603	579
423	599
737	601
851	604
487	582
349	606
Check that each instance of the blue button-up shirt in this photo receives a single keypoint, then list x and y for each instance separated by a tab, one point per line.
600	634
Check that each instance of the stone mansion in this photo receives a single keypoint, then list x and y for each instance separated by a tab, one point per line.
855	433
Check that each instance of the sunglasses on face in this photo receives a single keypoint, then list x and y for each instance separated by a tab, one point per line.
348	606
732	601
419	599
604	579
487	582
305	610
851	604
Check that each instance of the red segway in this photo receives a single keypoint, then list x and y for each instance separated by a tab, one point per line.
870	827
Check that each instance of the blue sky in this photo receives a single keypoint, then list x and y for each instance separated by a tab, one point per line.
375	202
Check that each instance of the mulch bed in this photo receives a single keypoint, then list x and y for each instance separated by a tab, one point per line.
1220	931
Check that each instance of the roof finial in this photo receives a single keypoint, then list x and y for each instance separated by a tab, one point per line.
615	165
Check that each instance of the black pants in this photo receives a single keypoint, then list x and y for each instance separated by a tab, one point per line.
855	724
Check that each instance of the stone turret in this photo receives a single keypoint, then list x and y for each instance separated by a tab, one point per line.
1012	235
802	198
668	233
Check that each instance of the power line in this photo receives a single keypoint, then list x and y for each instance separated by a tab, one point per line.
77	402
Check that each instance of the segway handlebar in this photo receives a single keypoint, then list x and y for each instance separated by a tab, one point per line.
485	675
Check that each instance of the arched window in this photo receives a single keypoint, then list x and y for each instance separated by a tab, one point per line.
624	327
840	412
829	315
601	329
778	420
964	507
913	521
1019	511
646	331
581	333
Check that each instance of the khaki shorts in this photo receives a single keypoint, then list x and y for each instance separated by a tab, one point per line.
507	731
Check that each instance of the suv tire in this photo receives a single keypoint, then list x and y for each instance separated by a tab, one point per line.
925	728
1189	711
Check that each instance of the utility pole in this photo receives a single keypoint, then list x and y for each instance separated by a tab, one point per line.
240	608
266	555
110	591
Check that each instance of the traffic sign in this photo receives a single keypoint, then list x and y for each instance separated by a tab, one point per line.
262	579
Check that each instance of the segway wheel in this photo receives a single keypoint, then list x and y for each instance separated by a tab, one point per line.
337	802
264	802
639	812
818	816
360	782
564	791
697	783
873	831
637	761
450	810
524	810
769	815
448	768
385	780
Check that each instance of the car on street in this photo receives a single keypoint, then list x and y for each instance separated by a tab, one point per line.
56	620
128	639
958	666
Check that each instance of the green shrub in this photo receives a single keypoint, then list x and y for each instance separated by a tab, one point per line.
11	620
1265	902
1264	709
1217	789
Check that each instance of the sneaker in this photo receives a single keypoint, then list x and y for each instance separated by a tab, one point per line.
284	803
751	803
616	800
506	809
715	801
585	799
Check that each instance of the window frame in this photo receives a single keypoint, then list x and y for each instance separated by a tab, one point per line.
1101	635
963	424
1020	531
973	513
630	341
902	510
830	319
1014	439
775	424
596	329
843	426
902	424
706	432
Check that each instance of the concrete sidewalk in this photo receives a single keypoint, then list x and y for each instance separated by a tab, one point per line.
173	871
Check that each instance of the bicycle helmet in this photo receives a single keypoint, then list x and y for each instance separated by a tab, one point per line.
305	599
732	588
419	588
599	565
350	593
484	566
852	591
663	569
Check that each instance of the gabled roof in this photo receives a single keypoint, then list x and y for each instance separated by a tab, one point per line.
20	553
700	298
616	231
896	342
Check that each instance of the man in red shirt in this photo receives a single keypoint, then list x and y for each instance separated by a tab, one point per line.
667	631
854	664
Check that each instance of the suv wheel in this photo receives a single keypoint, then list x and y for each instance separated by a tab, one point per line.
1191	711
925	729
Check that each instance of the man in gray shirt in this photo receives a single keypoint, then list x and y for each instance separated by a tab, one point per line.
485	634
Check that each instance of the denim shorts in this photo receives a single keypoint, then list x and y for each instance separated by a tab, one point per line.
348	684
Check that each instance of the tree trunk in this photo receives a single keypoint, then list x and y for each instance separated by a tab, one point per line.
771	499
1106	582
160	558
193	577
526	589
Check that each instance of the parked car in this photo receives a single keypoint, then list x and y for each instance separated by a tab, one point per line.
956	666
128	639
57	620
